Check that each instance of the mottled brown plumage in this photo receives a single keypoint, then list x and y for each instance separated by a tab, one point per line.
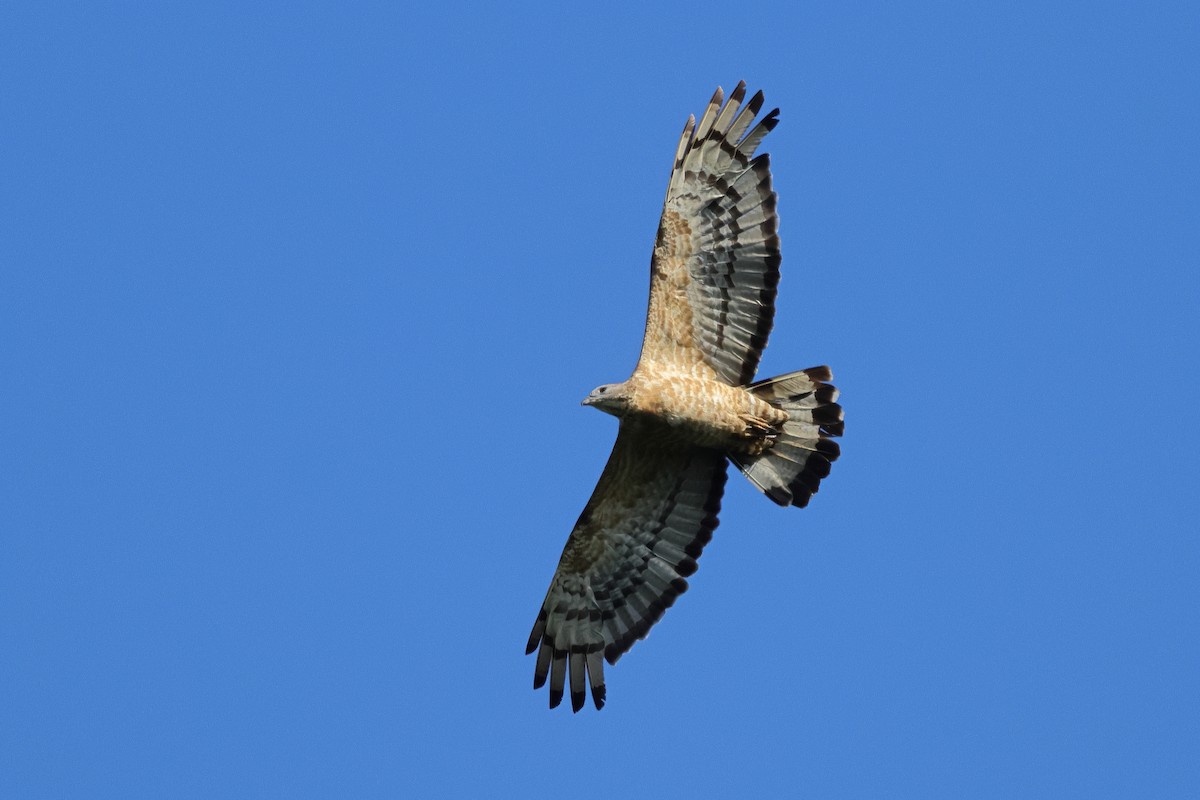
687	408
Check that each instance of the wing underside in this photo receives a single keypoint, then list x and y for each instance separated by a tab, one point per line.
627	558
716	258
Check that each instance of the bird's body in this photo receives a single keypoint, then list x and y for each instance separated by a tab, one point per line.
702	410
688	408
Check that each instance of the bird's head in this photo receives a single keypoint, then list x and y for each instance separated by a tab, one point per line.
611	398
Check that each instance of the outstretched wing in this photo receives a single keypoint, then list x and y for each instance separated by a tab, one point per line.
627	558
715	267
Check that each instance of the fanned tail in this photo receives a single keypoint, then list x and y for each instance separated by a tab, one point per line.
791	470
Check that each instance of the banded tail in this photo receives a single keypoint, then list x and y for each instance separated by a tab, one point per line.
790	471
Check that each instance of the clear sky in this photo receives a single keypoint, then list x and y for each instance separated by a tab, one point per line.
297	306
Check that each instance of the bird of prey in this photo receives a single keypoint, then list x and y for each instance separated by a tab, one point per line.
689	407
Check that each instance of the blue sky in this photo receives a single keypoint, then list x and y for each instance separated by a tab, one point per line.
297	306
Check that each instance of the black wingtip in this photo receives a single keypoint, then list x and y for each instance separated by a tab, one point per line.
577	700
598	696
556	697
539	628
756	102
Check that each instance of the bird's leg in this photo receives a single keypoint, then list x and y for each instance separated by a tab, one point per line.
759	432
756	427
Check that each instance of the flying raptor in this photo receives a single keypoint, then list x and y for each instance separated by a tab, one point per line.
689	407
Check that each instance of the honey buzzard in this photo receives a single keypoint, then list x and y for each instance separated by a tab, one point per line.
688	408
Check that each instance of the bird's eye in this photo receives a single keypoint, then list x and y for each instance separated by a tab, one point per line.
603	389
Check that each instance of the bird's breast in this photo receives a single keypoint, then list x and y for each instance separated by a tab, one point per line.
704	411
